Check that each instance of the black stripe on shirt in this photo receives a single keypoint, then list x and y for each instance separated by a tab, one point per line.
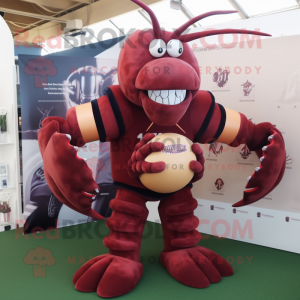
206	120
98	121
221	125
116	110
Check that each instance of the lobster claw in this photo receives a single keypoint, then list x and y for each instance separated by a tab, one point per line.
270	172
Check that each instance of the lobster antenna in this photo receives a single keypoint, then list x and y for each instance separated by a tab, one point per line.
197	35
155	24
192	21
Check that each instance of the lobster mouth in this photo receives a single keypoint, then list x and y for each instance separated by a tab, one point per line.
165	114
167	97
167	86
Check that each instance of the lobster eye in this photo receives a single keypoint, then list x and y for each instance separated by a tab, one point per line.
157	48
174	48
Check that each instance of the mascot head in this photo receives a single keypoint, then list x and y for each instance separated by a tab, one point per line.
158	70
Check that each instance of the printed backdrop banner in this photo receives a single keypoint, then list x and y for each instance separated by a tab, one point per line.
49	87
264	84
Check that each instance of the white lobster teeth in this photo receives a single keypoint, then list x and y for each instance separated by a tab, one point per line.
264	148
172	96
167	97
97	191
159	100
257	169
262	158
153	97
164	93
270	137
89	194
68	136
85	159
248	178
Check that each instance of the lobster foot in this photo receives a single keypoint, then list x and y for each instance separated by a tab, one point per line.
196	266
109	275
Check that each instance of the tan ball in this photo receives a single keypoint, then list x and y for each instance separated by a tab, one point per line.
177	155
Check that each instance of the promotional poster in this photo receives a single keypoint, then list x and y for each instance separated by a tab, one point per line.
241	78
49	87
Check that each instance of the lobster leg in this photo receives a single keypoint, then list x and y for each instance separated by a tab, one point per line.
118	272
188	263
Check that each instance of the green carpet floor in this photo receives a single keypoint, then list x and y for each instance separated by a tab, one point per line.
271	274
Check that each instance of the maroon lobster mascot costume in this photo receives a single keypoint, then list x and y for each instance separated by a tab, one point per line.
159	84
